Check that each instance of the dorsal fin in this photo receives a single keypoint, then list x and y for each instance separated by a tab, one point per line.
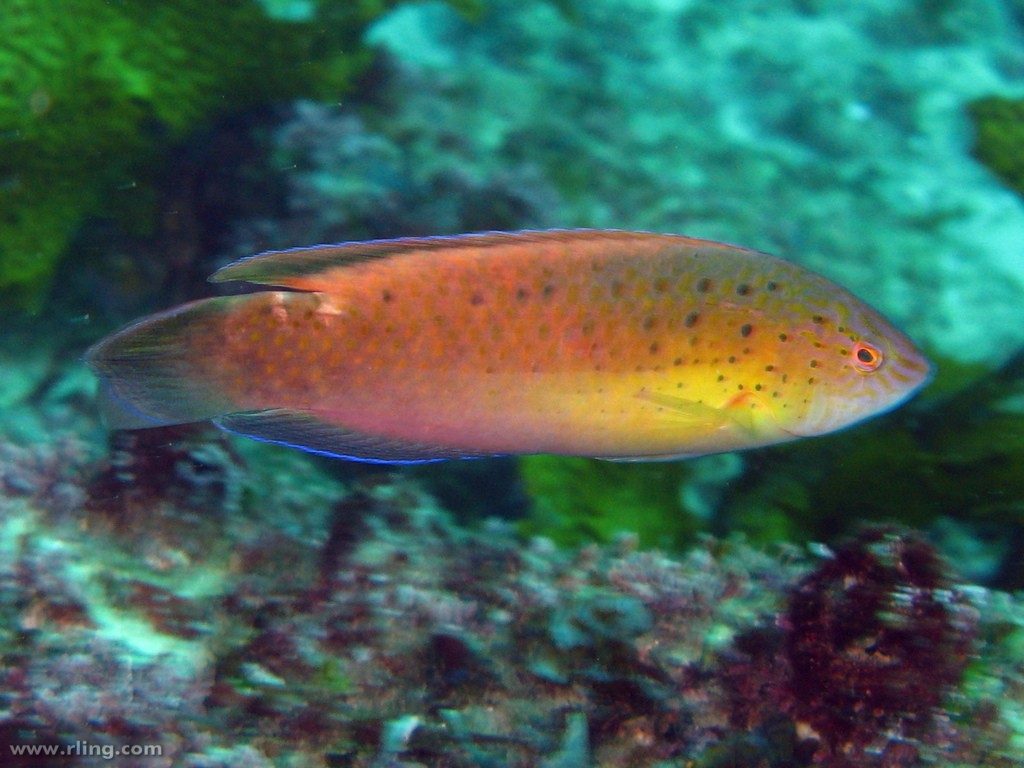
299	267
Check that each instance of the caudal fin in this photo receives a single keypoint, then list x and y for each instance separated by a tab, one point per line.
156	372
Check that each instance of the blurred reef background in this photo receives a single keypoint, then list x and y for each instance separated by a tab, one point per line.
853	600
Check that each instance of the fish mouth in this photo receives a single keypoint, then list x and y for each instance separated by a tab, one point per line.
905	378
917	372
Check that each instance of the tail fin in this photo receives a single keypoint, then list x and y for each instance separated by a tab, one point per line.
156	371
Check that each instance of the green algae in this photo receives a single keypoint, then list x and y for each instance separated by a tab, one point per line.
999	137
94	94
584	500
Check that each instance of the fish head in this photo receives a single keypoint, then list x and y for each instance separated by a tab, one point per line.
851	364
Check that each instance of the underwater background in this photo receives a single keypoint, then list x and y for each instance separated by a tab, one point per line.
178	597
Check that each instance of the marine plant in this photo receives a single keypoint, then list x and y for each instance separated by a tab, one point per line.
999	137
871	644
581	500
93	96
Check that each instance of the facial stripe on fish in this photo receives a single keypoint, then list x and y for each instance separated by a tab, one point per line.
580	342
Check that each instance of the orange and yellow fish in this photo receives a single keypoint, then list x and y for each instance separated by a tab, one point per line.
614	344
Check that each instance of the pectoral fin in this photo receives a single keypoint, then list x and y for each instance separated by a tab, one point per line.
689	420
688	411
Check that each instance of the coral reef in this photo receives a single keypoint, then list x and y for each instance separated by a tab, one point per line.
376	633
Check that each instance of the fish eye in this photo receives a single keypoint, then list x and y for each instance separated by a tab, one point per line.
866	357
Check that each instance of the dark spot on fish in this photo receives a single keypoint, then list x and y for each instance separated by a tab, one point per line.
677	361
476	299
813	363
769	367
691	319
522	294
757	387
587	328
597	366
639	369
785	378
817	319
489	369
818	345
743	289
783	337
775	394
843	351
617	289
771	285
386	296
745	330
810	381
703	285
661	285
732	358
739	386
547	291
841	329
653	349
650	322
721	377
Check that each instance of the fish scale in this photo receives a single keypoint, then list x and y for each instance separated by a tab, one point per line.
622	345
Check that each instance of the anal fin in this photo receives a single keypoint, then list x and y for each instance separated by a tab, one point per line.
309	432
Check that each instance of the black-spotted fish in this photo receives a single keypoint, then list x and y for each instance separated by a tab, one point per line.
614	344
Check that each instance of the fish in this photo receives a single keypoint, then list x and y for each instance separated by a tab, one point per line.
611	344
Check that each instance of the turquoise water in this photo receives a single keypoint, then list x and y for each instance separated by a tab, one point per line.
210	601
